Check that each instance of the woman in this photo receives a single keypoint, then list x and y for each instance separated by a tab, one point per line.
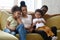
24	23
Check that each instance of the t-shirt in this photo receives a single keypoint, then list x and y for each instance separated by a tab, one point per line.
27	21
41	24
13	22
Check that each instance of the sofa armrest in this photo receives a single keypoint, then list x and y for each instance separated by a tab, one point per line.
7	36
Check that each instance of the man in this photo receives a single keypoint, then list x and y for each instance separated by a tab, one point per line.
44	8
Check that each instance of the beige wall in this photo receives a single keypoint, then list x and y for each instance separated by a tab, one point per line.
54	6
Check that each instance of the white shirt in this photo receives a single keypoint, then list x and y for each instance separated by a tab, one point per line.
27	21
41	24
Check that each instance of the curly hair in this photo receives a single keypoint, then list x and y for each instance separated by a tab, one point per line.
15	8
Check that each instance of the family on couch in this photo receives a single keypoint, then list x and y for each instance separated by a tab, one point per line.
22	23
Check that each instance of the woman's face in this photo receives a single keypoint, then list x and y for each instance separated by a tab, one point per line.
17	14
24	10
37	15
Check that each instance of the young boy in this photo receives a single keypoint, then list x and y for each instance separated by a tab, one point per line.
12	20
40	24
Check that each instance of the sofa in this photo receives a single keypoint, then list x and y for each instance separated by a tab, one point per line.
7	36
3	17
52	20
4	35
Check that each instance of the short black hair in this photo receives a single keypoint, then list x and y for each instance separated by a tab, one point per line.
15	8
45	6
22	4
40	11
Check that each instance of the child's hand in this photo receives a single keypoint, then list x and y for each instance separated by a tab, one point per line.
38	21
12	28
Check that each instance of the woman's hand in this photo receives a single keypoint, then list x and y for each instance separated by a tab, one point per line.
30	28
19	20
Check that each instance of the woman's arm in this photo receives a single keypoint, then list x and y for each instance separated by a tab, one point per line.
19	20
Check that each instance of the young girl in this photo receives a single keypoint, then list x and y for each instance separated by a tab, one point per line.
40	24
12	21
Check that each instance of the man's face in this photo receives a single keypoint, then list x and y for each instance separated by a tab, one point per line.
44	9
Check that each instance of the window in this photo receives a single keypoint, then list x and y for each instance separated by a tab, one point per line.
29	3
37	4
6	4
32	4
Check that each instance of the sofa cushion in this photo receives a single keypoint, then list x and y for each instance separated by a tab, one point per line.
54	21
32	36
3	18
58	35
0	20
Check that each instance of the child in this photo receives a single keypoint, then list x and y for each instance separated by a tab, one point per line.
12	20
40	24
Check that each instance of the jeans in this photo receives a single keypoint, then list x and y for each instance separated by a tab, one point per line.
54	30
44	35
21	31
9	31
